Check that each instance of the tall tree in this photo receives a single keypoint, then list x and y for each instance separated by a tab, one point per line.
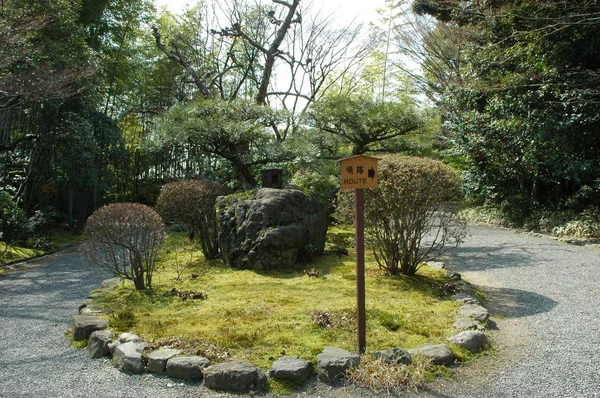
525	118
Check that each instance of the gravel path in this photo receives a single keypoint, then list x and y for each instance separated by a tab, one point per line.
37	302
544	297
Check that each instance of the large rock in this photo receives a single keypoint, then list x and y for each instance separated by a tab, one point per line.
334	363
397	356
474	311
470	340
291	368
157	360
439	354
235	376
270	228
187	368
84	325
128	357
97	346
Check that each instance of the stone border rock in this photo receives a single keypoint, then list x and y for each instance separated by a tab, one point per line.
127	352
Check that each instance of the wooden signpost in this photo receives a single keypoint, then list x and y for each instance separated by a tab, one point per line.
360	172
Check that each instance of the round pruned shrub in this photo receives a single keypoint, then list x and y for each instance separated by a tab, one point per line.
124	239
193	203
412	217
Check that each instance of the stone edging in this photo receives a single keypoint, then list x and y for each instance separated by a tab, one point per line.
130	354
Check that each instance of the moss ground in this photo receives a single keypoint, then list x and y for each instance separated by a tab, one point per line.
16	252
260	316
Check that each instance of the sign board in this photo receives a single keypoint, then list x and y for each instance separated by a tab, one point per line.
359	172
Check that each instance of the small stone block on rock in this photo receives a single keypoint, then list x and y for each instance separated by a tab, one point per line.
334	363
235	376
439	354
291	368
187	368
157	360
84	326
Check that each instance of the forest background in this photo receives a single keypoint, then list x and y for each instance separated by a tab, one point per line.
106	101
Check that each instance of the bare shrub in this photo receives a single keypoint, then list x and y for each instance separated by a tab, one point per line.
192	203
412	217
124	239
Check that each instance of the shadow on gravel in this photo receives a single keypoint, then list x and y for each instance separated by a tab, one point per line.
465	259
515	303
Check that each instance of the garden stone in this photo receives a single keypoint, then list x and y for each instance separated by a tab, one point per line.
97	346
465	298
111	283
129	337
439	354
157	360
128	358
397	356
333	364
270	228
474	311
470	340
187	368
89	309
112	346
464	323
291	368
235	376
85	325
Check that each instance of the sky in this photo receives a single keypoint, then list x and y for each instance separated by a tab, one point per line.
346	10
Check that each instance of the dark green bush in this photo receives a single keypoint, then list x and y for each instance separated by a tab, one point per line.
124	239
13	221
192	203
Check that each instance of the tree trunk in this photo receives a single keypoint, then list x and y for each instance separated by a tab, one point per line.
243	173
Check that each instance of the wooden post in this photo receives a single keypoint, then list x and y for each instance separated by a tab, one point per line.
359	173
360	270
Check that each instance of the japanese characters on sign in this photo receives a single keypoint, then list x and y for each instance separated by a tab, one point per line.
359	172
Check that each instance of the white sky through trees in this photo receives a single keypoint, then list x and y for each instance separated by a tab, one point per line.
361	11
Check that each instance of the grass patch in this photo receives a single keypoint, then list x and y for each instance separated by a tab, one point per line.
381	377
79	344
260	316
